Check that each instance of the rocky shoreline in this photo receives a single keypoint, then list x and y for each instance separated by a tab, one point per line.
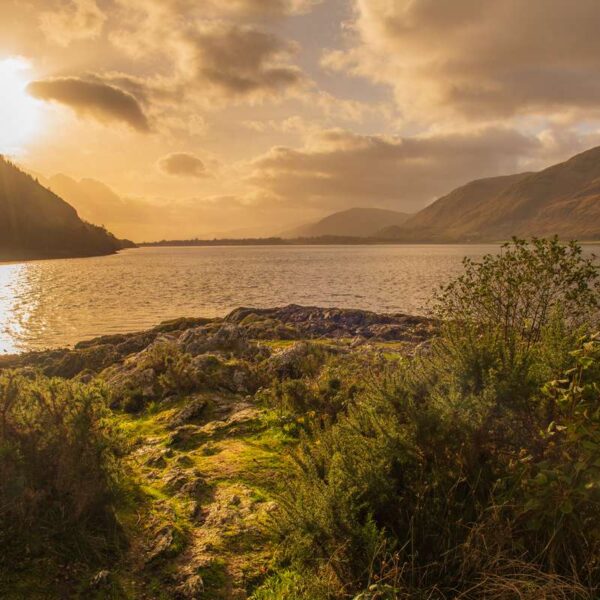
202	335
208	410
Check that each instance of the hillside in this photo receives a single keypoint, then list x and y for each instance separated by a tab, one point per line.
563	199
355	222
36	223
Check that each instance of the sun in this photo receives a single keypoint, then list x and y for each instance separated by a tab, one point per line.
20	114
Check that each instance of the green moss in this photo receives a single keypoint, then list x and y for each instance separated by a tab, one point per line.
215	577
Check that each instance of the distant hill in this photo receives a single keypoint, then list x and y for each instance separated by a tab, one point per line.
36	223
92	199
355	222
563	199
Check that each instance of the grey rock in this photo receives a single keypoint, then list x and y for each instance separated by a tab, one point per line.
192	411
228	337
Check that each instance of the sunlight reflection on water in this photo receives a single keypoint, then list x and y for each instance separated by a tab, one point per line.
59	302
15	306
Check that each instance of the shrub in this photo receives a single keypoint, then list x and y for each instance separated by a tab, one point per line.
322	393
559	480
506	310
470	471
173	368
58	466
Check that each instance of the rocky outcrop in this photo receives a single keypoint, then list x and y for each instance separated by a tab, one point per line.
309	322
237	335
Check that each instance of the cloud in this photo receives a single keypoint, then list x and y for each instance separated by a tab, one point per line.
182	164
479	59
339	169
205	59
230	8
291	125
101	101
241	61
74	20
270	7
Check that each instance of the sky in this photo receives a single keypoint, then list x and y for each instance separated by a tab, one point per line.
202	118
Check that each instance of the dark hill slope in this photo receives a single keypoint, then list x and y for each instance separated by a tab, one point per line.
446	217
563	199
36	223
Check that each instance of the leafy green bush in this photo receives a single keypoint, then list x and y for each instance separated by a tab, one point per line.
559	480
472	470
58	466
503	312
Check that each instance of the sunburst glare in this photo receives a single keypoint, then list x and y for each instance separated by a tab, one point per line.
20	114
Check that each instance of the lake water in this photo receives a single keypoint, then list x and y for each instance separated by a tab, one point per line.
52	303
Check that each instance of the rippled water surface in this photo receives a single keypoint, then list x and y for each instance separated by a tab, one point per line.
59	302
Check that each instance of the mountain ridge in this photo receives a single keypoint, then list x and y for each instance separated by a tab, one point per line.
353	222
563	200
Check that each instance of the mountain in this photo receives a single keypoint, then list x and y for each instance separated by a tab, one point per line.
93	200
96	202
36	223
355	222
563	199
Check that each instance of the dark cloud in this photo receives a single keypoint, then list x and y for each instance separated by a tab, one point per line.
241	61
95	99
339	169
182	164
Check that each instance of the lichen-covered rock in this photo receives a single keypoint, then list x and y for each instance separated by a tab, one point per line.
161	546
183	435
233	335
226	338
299	359
186	482
194	408
297	322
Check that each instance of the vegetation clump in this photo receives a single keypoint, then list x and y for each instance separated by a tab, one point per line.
59	468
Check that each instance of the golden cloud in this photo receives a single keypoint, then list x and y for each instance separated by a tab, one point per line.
71	20
182	164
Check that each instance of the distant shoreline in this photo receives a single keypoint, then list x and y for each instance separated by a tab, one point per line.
321	241
25	258
327	241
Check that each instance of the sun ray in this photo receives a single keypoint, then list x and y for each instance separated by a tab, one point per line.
20	114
